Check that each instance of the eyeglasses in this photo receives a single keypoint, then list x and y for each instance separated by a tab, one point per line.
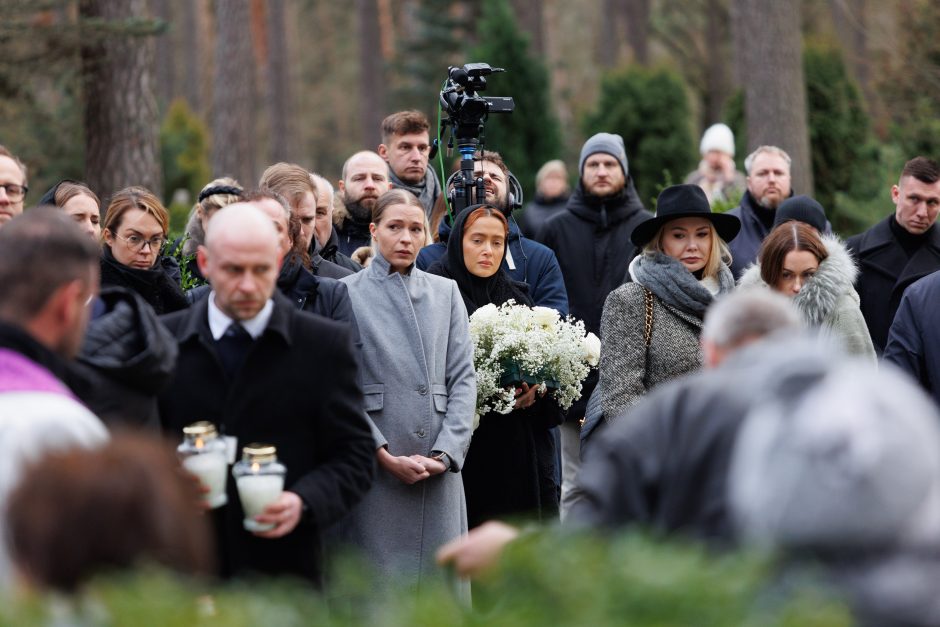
14	191
137	243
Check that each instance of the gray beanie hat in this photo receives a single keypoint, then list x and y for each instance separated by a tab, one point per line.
853	463
604	142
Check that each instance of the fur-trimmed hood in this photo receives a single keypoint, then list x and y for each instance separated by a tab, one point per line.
820	296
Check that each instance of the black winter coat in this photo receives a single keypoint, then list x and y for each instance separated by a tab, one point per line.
536	214
297	389
885	271
591	239
914	340
126	359
331	253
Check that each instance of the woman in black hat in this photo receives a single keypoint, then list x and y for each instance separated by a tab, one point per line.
510	466
650	327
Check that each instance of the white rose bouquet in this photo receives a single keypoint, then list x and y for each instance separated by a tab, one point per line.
513	344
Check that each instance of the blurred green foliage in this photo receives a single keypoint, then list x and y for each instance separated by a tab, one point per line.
649	108
184	153
545	579
530	135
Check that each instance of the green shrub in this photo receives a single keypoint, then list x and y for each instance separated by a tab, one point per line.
649	108
184	152
530	135
545	579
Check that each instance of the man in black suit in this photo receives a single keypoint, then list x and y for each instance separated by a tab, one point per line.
262	371
900	249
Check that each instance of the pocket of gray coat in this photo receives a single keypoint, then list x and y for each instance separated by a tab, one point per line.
373	396
440	397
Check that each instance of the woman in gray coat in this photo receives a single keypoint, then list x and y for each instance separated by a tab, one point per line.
818	273
420	394
650	327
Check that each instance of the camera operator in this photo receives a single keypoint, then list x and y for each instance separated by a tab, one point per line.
526	260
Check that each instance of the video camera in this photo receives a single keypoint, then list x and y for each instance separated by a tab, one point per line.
467	112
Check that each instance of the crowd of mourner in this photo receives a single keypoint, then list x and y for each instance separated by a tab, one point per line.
294	375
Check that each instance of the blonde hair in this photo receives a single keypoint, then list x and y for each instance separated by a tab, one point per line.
290	181
216	201
718	253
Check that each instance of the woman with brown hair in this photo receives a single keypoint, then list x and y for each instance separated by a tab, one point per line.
79	202
135	230
818	273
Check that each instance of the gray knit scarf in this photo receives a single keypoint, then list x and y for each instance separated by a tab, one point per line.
668	279
427	190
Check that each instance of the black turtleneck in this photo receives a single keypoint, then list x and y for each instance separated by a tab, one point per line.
910	242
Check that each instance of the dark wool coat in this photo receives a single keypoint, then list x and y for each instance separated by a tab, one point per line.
159	286
885	271
297	390
331	253
914	339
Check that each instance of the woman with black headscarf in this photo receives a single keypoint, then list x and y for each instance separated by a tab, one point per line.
509	470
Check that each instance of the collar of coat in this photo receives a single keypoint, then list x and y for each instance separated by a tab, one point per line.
880	235
196	324
820	295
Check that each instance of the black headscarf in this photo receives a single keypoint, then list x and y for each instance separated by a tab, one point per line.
477	291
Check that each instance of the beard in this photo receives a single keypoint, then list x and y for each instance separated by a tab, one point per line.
769	203
361	209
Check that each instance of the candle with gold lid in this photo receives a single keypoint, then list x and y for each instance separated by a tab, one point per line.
260	481
204	454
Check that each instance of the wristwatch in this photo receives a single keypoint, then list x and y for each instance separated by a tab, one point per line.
442	457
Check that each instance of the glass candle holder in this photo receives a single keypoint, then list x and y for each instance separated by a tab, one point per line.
259	478
203	454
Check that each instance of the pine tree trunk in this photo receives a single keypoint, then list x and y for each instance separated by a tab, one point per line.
637	14
529	18
191	23
716	68
371	78
121	120
775	92
233	123
279	85
165	67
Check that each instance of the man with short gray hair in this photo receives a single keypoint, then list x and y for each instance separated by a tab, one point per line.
326	243
768	185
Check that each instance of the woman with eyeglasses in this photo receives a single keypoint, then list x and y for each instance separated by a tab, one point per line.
134	231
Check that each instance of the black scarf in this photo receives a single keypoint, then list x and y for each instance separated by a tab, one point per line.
154	284
476	291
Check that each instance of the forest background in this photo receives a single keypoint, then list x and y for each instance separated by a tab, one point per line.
172	93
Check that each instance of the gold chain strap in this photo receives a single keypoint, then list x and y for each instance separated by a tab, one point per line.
648	332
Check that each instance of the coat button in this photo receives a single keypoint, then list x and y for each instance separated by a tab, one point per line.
420	433
422	391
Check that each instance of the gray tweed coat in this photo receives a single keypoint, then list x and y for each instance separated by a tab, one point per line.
829	301
628	370
420	393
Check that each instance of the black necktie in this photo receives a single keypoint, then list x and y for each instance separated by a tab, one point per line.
232	348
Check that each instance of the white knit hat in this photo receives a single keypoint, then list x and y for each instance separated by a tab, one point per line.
718	137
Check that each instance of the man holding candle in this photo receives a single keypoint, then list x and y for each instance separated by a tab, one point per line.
261	371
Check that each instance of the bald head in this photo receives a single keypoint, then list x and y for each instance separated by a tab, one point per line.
364	158
241	259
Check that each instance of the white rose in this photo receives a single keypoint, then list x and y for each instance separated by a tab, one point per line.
485	313
591	348
544	316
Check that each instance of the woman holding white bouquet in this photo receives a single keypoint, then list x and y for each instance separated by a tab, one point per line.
419	392
509	469
650	327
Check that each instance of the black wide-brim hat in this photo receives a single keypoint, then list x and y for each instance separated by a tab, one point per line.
684	201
